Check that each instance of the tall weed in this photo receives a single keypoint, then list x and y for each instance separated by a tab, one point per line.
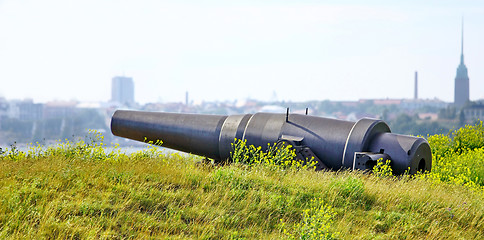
317	223
458	157
278	156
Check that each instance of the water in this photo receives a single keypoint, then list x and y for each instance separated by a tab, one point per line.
126	150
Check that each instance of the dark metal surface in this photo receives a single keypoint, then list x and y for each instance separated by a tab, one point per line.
335	143
197	134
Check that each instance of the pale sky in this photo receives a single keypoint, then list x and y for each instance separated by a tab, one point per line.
227	50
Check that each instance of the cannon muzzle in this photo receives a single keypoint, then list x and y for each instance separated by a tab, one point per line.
333	143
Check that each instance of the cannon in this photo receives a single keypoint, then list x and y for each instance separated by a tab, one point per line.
333	144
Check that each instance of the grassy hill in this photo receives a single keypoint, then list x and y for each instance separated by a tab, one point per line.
78	191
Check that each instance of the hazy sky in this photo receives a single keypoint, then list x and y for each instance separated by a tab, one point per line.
227	50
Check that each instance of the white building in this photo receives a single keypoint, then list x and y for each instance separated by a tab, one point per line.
122	90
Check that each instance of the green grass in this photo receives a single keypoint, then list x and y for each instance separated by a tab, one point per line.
77	191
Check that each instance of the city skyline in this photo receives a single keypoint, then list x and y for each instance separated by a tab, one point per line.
220	51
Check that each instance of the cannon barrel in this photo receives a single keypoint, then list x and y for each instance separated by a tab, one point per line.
333	143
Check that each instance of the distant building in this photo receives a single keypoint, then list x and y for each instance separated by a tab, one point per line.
406	104
59	109
387	102
25	110
122	90
412	104
461	90
474	112
415	92
3	107
30	111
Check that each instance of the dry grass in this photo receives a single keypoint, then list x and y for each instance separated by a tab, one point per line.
77	191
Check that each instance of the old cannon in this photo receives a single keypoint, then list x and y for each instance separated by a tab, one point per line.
333	143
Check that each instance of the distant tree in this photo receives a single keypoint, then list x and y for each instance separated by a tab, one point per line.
429	128
384	115
462	118
16	130
447	113
405	124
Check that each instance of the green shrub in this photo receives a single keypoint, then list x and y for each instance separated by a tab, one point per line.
317	223
463	139
468	138
458	158
279	156
383	169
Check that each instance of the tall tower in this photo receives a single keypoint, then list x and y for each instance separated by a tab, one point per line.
415	93
122	90
461	90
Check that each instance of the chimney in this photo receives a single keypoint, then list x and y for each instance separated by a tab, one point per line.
415	96
186	98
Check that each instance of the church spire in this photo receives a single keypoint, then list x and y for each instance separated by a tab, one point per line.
461	90
462	43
